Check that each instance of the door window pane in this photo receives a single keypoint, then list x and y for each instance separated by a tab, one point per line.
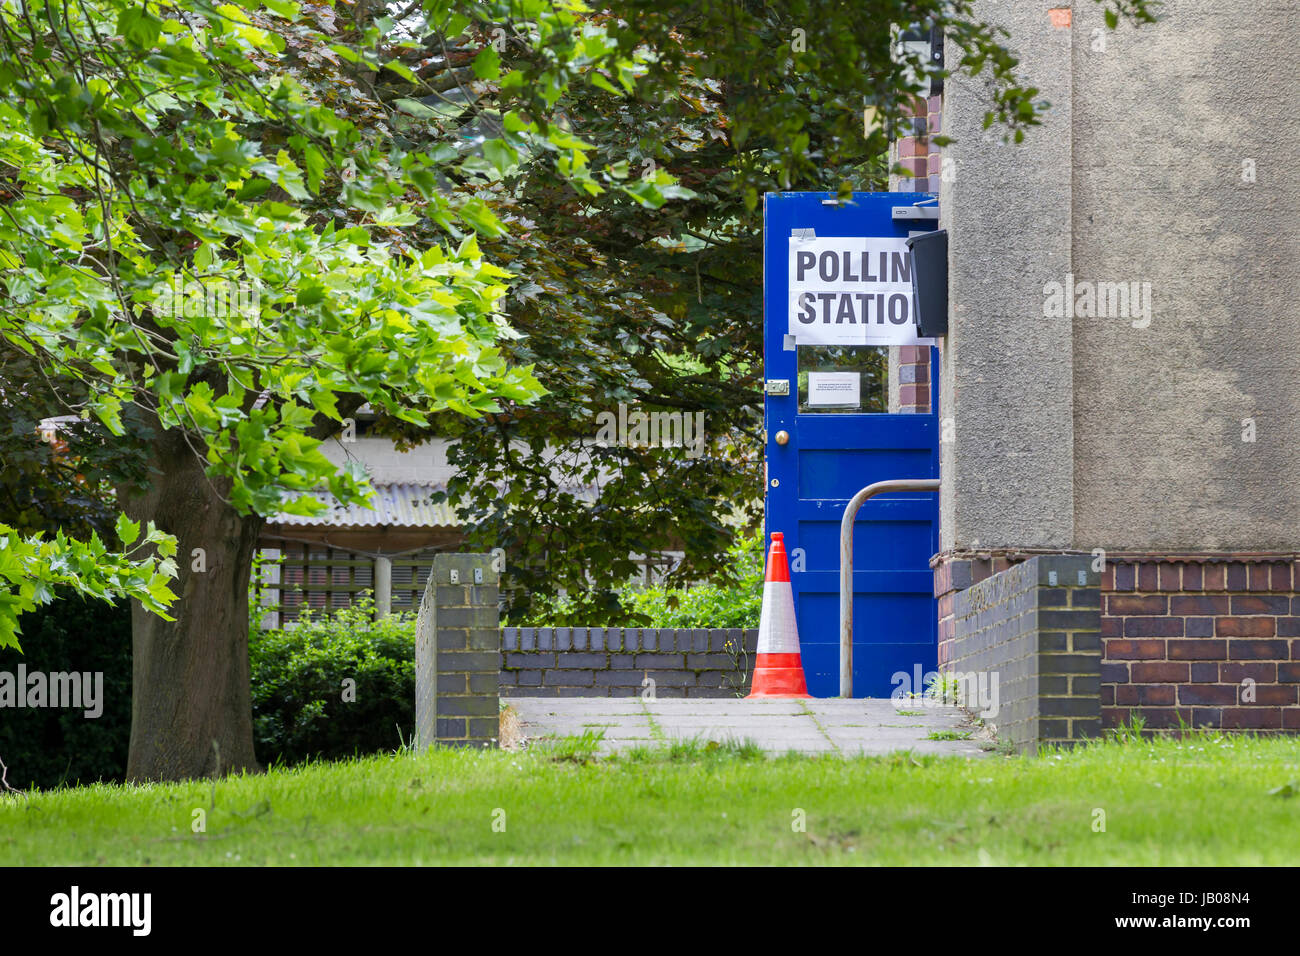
844	379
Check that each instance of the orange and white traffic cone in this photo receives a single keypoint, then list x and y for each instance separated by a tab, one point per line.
778	667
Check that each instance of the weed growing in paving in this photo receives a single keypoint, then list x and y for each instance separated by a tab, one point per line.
943	688
579	749
681	750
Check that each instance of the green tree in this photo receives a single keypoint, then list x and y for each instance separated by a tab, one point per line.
204	231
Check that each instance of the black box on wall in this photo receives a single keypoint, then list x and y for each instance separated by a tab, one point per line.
929	252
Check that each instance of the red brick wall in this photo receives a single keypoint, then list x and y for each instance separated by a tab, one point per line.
1211	639
914	378
953	574
1211	642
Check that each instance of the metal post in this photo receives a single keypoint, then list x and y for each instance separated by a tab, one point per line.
271	597
846	565
383	586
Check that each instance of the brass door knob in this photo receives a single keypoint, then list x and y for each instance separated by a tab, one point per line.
782	437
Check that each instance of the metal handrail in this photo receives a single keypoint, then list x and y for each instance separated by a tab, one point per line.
846	564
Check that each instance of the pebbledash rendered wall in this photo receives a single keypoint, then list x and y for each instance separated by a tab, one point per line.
622	662
1165	160
1166	439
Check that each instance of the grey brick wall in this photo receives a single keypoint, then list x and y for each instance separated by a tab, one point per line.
618	662
458	654
1033	632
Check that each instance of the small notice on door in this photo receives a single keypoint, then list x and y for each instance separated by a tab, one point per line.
841	389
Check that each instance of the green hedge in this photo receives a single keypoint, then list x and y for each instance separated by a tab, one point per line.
297	683
709	605
299	676
49	746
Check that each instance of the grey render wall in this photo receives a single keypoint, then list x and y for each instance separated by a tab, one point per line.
1007	374
1093	433
1163	119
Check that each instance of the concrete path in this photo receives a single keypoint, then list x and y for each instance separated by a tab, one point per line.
825	725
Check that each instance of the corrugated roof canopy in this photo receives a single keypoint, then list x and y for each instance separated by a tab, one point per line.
396	505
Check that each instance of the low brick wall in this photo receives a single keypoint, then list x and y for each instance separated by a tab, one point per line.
1025	645
1201	640
620	662
1207	643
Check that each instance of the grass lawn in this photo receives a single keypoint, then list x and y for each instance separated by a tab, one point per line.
1204	800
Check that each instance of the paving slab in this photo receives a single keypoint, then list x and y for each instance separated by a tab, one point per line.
723	705
777	725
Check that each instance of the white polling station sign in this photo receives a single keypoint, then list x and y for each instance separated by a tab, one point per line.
852	291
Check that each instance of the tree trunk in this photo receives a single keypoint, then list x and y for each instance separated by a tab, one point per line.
190	677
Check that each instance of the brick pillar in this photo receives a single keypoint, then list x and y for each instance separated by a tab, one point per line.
1034	630
921	164
951	575
1069	649
915	152
458	654
954	573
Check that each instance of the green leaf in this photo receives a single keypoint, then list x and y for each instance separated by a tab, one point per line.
500	154
402	70
127	530
253	188
138	27
310	294
479	216
314	161
599	81
325	402
514	123
345	51
487	65
285	8
645	192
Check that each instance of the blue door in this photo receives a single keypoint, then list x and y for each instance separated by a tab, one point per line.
836	430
